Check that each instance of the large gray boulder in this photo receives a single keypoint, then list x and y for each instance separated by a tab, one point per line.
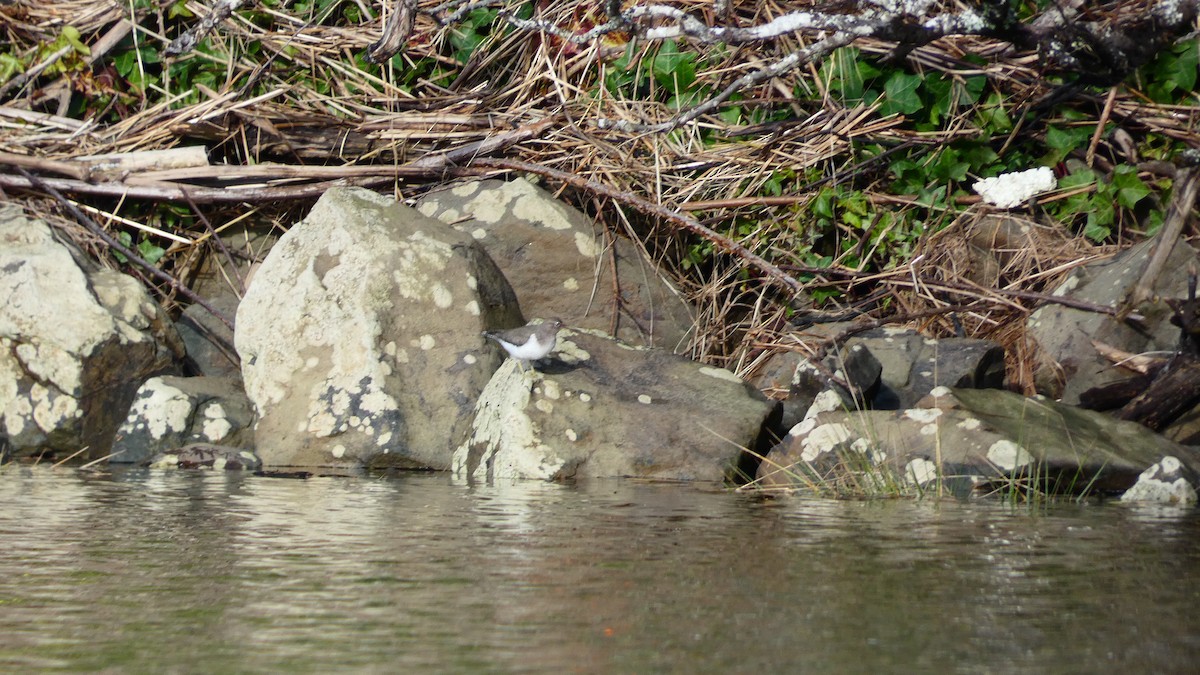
913	365
360	336
600	408
967	438
1066	337
76	342
560	263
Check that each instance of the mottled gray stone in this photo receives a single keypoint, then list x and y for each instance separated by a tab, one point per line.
600	408
360	336
76	341
560	263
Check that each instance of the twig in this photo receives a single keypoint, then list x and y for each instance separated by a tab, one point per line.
179	193
1099	133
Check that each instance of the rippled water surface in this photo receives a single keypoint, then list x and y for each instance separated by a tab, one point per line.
208	572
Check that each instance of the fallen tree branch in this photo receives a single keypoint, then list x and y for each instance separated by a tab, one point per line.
1098	44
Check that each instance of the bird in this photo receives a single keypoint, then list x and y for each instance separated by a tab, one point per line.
528	343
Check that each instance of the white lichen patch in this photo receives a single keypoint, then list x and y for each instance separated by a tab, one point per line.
50	363
472	308
426	342
216	430
827	400
822	439
338	451
720	374
969	424
1008	455
922	415
442	297
585	397
645	398
940	391
571	284
565	347
571	435
465	190
587	245
469	359
530	204
551	390
920	472
803	427
52	409
159	409
544	406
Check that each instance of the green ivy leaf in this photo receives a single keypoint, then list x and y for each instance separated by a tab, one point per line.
900	94
151	252
674	69
1130	189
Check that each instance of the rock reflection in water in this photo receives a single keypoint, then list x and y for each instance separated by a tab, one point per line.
155	571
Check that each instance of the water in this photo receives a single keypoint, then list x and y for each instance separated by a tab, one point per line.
169	571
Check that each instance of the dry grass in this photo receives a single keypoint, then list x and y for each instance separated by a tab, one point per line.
287	95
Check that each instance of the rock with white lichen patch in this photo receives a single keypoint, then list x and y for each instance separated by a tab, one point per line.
169	412
360	340
970	439
1168	481
76	341
600	408
560	263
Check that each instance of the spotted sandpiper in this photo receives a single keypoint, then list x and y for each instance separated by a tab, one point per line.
528	343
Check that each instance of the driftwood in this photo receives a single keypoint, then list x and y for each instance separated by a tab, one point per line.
1175	391
1183	200
161	175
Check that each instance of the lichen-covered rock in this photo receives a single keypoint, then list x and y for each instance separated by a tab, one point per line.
360	336
972	437
76	341
1168	481
172	411
561	264
600	408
